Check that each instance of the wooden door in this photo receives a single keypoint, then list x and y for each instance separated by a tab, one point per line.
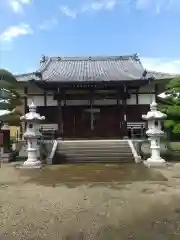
107	124
76	122
68	122
82	123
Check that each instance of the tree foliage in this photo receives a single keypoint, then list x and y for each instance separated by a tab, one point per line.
10	98
171	106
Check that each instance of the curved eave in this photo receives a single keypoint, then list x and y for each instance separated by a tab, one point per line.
162	76
28	77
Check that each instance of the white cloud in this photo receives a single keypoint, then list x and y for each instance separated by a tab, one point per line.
143	4
18	5
49	24
15	31
161	64
110	4
95	6
68	12
157	5
100	5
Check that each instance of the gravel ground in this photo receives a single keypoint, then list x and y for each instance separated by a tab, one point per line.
87	208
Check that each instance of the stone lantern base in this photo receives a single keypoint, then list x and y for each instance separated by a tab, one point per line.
155	162
28	164
32	161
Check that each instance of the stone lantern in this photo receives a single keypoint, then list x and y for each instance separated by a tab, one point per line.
32	135
154	132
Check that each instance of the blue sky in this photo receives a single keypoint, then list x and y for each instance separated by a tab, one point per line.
30	28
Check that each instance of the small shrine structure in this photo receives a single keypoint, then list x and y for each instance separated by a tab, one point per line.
32	135
154	132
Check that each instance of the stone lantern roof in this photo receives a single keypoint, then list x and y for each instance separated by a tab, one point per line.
32	115
154	114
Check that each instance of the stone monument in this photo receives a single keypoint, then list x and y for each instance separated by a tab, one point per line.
154	132
32	135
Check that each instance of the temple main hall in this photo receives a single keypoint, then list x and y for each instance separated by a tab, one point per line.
99	97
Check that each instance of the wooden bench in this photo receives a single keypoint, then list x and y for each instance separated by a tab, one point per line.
136	129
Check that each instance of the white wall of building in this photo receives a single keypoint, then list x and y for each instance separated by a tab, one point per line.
51	101
132	99
33	89
147	88
38	100
142	99
146	98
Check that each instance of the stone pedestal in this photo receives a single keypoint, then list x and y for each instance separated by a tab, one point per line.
150	162
32	159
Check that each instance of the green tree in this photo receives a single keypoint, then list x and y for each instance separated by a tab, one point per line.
171	106
10	98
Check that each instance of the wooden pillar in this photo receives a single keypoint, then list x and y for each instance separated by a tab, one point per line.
23	125
156	92
119	91
91	100
60	117
25	99
45	99
124	105
137	98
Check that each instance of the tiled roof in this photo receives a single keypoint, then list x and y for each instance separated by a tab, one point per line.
71	69
93	69
161	75
27	77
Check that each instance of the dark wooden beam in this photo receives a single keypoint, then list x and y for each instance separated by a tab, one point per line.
89	84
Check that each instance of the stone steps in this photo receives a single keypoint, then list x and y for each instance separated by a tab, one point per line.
94	151
98	160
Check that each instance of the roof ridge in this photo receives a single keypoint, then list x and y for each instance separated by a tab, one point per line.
44	63
46	60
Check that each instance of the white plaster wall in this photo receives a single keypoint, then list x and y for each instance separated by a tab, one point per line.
33	89
20	90
38	100
132	100
51	101
147	88
49	92
146	98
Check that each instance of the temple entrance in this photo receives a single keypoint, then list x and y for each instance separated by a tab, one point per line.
96	122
